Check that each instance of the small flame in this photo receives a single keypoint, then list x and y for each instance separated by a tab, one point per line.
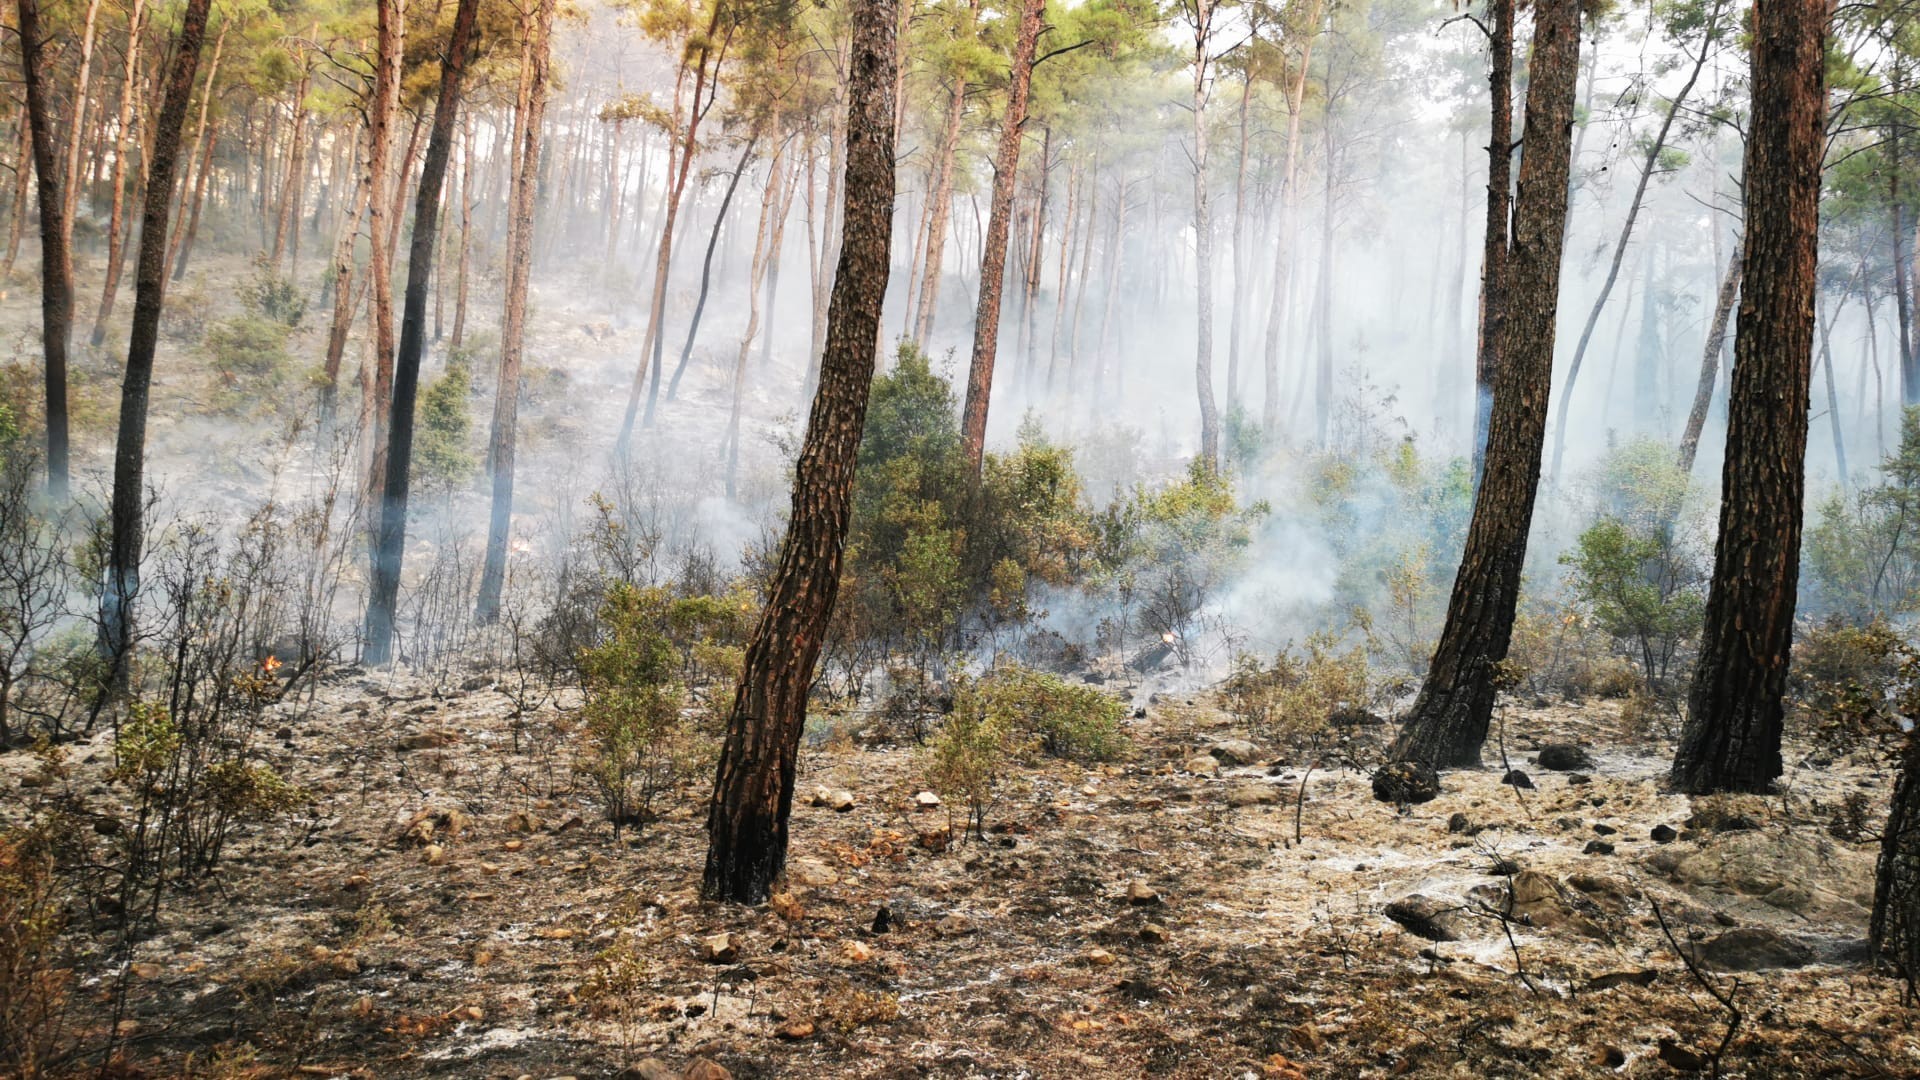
270	664
1168	637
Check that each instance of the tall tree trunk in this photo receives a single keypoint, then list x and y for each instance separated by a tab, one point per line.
1649	164
993	258
939	212
1289	197
120	584
706	270
116	236
1086	272
382	110
1731	739
1239	258
56	262
23	173
1202	16
1894	927
1323	369
77	127
1710	353
391	537
1902	299
466	239
182	242
341	280
531	103
1494	246
287	220
769	205
753	787
1825	326
1449	720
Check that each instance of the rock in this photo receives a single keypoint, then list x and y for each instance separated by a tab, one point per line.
1605	829
926	800
1608	1057
1154	933
954	925
882	920
1754	948
1141	894
1431	917
1406	782
648	1069
1460	823
1517	779
1597	847
1234	752
1099	958
856	952
812	873
939	838
1578	779
430	739
1204	765
1798	870
433	855
1663	834
1563	757
705	1069
1622	978
1253	795
795	1030
721	948
840	801
1681	1058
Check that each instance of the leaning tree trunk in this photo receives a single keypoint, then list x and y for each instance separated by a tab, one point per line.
1731	740
1449	720
532	104
993	259
1710	362
706	268
753	788
121	582
390	538
56	262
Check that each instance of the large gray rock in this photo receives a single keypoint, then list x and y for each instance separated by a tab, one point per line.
1754	948
1434	918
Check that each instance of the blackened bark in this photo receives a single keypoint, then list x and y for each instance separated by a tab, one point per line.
1493	260
1449	721
390	538
56	262
121	582
1731	740
1894	929
993	258
753	789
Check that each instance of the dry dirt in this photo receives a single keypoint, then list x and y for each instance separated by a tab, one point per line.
458	909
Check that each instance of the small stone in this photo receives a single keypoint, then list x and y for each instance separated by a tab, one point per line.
954	924
472	1013
935	839
721	948
1234	752
1578	779
1461	823
1681	1058
1604	829
433	855
1517	779
838	800
856	952
521	821
1141	894
1154	933
1099	958
1253	795
1597	847
431	739
926	800
648	1069
1204	765
795	1030
1564	757
146	971
813	874
1429	917
1664	834
705	1069
1406	782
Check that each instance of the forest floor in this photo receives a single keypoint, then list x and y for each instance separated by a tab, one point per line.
451	904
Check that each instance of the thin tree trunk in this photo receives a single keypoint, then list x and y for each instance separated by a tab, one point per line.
993	259
1450	718
77	126
1710	353
1731	739
706	271
1495	244
537	31
120	584
466	239
182	241
1289	197
116	235
1825	326
1649	164
769	204
376	392
753	787
938	214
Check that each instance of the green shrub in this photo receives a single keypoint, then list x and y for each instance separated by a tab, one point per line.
249	352
1294	699
636	745
273	297
1863	553
1066	720
441	458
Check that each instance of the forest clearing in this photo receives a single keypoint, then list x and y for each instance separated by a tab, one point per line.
684	539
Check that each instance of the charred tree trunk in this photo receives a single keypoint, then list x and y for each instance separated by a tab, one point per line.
1894	929
993	257
1731	740
121	582
537	31
753	788
1493	259
56	262
391	538
1449	720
